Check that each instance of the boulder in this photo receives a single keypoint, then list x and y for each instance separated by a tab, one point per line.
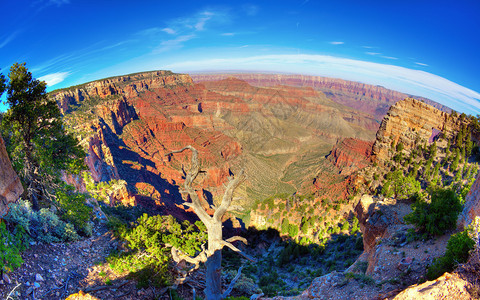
448	286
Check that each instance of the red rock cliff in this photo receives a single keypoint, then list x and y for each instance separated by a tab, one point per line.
127	125
372	99
10	186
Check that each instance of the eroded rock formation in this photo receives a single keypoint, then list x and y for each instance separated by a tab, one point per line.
412	122
127	124
10	186
471	208
350	155
371	99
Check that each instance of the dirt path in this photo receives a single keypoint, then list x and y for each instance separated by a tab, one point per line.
54	271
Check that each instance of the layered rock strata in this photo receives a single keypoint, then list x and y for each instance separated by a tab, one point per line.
412	122
371	99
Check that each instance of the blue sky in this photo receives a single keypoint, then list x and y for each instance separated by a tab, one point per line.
426	48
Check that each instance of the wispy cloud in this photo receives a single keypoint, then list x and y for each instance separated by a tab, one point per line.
173	44
228	34
373	53
5	40
421	64
169	30
389	57
336	43
42	4
415	82
368	47
202	20
59	2
185	29
54	78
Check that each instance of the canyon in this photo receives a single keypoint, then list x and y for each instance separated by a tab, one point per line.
306	152
371	99
281	135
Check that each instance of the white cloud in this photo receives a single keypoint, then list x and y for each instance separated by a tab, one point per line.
373	53
415	82
389	57
173	44
169	30
54	78
8	39
204	17
421	64
337	43
228	34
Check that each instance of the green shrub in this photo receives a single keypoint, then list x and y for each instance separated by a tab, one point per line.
149	256
458	248
11	244
438	215
74	210
43	225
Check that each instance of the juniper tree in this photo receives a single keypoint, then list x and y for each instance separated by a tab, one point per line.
38	144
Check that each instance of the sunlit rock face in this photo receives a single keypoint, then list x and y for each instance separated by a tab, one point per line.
471	209
411	122
10	186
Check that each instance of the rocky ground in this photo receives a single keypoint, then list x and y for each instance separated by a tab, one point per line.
54	271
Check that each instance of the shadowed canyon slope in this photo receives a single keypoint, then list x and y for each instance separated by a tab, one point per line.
280	135
372	99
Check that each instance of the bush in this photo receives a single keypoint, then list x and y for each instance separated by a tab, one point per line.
43	225
74	210
11	244
438	215
458	248
149	255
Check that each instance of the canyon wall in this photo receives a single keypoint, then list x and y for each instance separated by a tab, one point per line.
280	135
471	208
412	122
10	186
372	99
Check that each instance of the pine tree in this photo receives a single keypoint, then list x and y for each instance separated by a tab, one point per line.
36	139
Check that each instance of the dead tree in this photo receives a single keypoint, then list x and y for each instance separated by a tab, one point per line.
212	256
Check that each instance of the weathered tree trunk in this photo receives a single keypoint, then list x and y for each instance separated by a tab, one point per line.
212	256
214	262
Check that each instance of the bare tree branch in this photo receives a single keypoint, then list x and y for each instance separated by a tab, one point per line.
178	256
231	285
231	246
189	178
237	238
228	195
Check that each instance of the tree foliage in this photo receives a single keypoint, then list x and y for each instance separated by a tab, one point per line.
400	186
458	248
437	215
149	243
37	142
